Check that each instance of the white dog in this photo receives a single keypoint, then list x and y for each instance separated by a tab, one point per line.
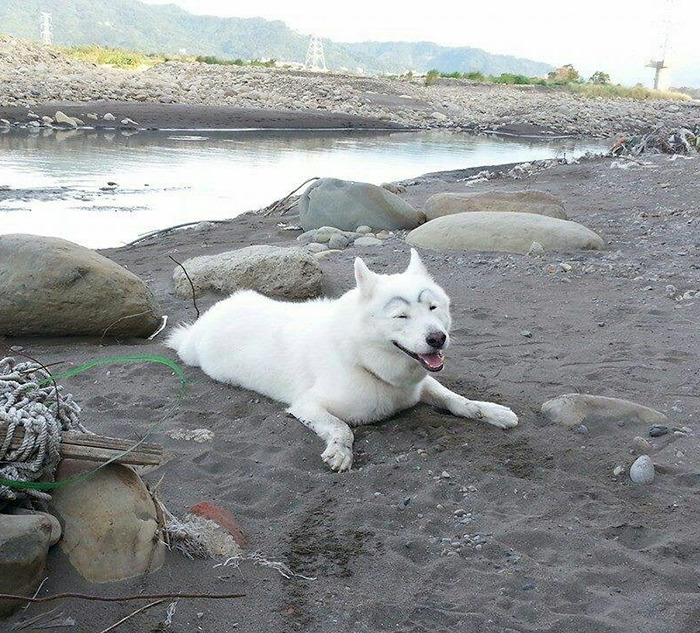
337	363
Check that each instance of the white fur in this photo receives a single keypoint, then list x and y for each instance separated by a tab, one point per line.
334	362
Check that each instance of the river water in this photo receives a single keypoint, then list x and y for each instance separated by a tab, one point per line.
58	184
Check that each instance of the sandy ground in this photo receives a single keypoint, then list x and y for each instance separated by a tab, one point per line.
552	542
198	117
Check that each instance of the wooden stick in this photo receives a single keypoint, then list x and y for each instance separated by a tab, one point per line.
96	448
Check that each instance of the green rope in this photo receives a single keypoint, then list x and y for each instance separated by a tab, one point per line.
80	369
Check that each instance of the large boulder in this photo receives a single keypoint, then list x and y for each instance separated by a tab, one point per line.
24	543
499	231
533	201
110	524
287	273
53	287
346	205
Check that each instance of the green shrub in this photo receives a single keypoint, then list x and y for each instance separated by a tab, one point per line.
432	77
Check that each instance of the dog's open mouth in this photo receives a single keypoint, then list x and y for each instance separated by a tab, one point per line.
434	361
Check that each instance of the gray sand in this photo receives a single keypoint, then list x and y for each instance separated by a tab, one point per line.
531	532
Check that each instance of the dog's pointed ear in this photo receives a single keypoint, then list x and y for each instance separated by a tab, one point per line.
416	265
364	277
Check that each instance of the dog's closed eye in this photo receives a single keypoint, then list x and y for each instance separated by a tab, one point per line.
401	316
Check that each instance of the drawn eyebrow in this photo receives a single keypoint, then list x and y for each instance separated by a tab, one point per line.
394	299
420	294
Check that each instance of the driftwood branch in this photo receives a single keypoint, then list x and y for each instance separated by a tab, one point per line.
278	204
129	598
194	294
132	614
96	448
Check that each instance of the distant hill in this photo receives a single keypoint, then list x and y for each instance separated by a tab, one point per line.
168	28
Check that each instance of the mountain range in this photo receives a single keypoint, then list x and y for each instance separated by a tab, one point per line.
169	29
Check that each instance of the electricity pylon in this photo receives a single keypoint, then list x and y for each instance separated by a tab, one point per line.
315	59
659	63
46	29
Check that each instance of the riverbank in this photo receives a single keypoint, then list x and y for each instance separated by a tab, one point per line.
446	522
32	77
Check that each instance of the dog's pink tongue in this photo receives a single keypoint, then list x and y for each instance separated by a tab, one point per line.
433	361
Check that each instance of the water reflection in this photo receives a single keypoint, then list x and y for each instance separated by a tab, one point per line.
56	182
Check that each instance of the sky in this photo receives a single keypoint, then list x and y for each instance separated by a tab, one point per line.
617	36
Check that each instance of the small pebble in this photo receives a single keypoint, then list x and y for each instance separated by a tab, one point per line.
526	333
641	445
642	471
618	470
657	430
582	429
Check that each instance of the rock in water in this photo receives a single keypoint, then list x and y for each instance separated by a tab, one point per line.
642	470
347	205
61	117
53	287
538	202
288	273
573	409
24	543
110	524
503	231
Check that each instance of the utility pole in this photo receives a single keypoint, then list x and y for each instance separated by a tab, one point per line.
46	29
315	59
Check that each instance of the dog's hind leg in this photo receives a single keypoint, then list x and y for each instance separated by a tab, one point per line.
332	430
439	396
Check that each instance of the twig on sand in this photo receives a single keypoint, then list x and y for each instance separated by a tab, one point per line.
131	615
194	294
128	598
279	204
124	318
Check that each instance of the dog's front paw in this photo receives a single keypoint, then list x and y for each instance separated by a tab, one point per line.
498	415
338	456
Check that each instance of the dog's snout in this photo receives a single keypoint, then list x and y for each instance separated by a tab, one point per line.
436	339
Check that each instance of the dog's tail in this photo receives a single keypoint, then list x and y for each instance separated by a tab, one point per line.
181	339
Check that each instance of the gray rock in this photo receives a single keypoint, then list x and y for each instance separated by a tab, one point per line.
108	116
110	523
24	543
657	430
338	241
500	231
382	235
641	445
574	409
394	187
363	230
316	247
642	470
52	287
367	242
63	118
346	205
308	237
538	202
535	250
56	529
290	273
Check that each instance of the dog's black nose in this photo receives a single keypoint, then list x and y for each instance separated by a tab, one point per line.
436	339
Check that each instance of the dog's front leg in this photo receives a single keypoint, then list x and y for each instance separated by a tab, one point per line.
437	395
332	430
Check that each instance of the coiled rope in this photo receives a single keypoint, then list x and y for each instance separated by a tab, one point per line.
42	412
29	400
